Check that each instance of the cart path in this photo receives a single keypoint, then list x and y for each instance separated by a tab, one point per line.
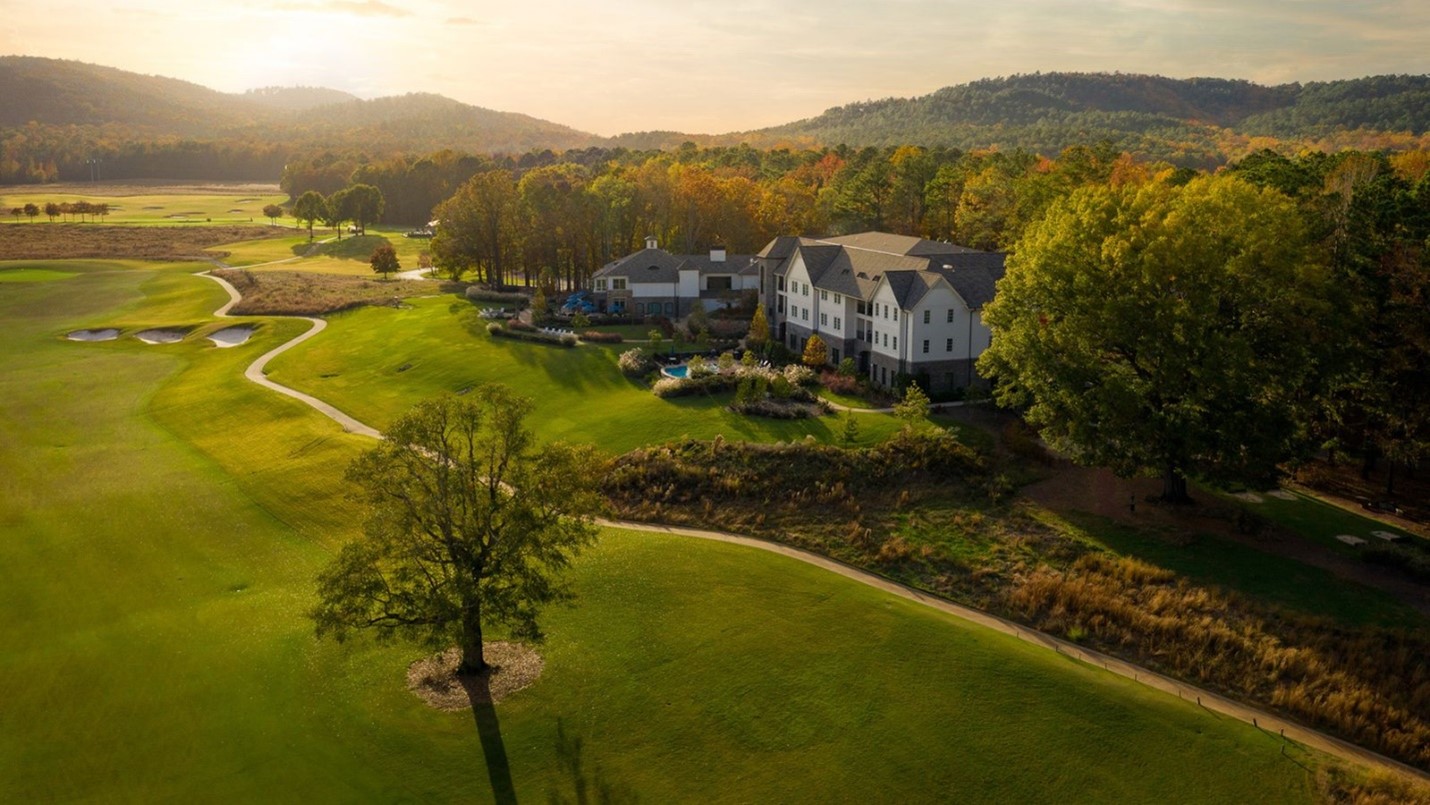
255	371
1271	724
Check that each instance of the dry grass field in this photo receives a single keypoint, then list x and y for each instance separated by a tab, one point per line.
97	241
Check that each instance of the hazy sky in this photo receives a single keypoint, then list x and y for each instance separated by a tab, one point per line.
609	66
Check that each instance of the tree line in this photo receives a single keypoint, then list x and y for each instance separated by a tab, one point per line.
68	210
1221	327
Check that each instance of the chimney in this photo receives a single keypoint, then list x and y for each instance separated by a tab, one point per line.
650	242
717	254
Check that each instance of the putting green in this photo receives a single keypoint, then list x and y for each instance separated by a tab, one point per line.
161	520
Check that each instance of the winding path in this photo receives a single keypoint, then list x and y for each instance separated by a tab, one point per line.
1273	725
255	371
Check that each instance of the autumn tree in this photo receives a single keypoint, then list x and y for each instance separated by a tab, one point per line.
477	229
32	211
52	210
468	524
310	208
759	336
816	353
1161	329
384	260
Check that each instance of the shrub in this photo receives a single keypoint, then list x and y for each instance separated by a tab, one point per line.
1415	562
699	369
594	337
709	383
840	383
635	363
520	326
476	294
847	368
528	334
799	375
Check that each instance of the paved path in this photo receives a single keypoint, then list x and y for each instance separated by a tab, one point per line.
1271	724
255	372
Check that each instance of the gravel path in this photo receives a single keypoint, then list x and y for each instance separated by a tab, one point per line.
1273	725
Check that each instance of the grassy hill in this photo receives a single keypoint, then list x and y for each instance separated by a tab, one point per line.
160	651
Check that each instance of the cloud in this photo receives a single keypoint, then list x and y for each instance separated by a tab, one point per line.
366	8
461	21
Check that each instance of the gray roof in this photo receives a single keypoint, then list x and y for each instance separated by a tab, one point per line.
889	243
853	264
659	265
974	275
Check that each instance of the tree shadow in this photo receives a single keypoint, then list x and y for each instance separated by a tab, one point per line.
586	787
489	731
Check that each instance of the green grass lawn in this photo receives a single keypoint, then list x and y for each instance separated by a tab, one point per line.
1319	521
161	520
375	363
1209	559
156	208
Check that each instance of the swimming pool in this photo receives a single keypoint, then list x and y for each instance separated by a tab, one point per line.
676	371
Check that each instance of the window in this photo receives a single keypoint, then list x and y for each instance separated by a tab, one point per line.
640	308
780	305
835	355
896	314
837	324
718	283
926	320
862	309
926	342
896	343
948	345
804	314
779	283
824	320
600	285
806	290
669	308
950	315
886	311
838	299
618	283
824	296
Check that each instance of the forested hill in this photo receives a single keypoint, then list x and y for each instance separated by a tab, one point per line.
70	93
111	107
297	99
1198	121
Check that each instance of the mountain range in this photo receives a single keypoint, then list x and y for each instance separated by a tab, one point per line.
1199	122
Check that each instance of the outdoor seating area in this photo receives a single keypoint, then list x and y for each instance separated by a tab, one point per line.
496	313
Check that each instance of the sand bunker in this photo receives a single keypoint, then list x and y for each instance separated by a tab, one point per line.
161	336
231	336
1281	494
106	334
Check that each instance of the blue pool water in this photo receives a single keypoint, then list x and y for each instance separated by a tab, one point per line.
675	371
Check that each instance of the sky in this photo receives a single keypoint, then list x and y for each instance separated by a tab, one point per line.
700	66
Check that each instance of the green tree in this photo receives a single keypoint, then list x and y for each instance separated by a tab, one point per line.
468	524
847	368
655	337
539	306
52	210
816	354
580	321
310	208
273	212
362	204
914	407
336	211
851	428
32	211
1163	329
384	260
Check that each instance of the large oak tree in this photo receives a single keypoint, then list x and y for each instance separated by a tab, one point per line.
1159	329
469	523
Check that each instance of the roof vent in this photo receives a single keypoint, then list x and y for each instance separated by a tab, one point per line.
717	254
650	242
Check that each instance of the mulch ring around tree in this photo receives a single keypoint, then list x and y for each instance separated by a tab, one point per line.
434	679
